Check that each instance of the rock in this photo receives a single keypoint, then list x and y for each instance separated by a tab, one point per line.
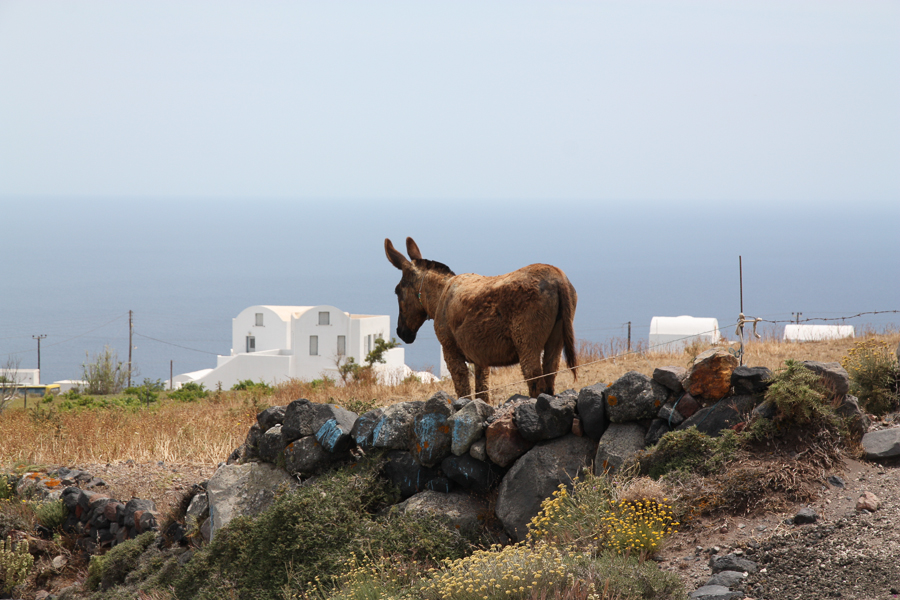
836	378
271	444
504	443
765	410
731	562
715	592
304	418
710	374
334	434
536	476
394	430
657	429
750	380
868	501
857	421
58	562
247	489
618	445
134	508
478	450
464	512
836	481
671	378
363	431
470	473
729	579
431	432
632	397
249	450
404	471
672	417
198	509
269	418
577	429
592	410
687	405
545	418
307	456
882	444
723	415
467	425
805	516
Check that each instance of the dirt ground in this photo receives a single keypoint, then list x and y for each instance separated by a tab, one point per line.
845	554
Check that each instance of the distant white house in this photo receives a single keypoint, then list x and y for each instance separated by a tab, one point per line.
22	377
673	334
277	343
814	333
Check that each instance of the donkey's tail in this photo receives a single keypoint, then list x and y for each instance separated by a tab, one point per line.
567	301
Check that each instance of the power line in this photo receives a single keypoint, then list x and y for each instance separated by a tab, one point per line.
174	344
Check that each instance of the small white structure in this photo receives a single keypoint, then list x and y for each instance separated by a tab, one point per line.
68	384
672	334
815	333
273	344
23	377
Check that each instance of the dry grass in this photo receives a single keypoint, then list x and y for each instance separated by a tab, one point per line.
205	432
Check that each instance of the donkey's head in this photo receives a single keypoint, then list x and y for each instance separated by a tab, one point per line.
409	290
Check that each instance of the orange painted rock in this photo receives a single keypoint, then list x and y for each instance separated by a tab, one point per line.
503	441
710	375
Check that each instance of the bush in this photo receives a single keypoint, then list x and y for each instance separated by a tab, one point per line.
248	385
51	514
874	373
105	373
310	533
589	518
15	563
688	451
189	392
113	567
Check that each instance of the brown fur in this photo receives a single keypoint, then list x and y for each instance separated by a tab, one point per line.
522	317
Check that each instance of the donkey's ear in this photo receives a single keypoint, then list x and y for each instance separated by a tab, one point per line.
393	255
412	249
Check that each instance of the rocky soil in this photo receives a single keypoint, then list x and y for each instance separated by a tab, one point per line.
846	553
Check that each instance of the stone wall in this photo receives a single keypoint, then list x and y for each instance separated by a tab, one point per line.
525	447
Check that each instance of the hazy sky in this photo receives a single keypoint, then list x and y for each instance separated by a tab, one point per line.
598	101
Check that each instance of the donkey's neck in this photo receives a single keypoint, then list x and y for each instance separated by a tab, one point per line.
431	288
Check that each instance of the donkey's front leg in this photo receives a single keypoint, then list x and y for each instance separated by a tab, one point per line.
483	383
459	371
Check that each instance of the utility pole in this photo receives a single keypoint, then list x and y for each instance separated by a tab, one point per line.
797	314
629	336
39	338
130	331
171	367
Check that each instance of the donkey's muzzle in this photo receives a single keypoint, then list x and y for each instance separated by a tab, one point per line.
406	334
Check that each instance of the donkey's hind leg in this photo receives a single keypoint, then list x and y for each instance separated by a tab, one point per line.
483	383
552	352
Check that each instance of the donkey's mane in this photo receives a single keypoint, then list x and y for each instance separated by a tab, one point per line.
433	265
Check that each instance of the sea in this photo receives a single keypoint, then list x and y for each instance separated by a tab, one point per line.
74	268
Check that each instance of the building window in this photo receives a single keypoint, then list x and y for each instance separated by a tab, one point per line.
368	344
342	345
313	345
259	321
251	343
324	318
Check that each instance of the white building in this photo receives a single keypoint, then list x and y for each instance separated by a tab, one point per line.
814	333
273	344
672	334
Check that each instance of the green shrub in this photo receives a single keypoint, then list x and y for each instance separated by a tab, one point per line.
688	451
189	392
51	514
105	373
248	385
113	567
310	533
15	563
7	490
874	373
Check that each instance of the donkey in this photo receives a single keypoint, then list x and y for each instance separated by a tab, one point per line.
489	321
